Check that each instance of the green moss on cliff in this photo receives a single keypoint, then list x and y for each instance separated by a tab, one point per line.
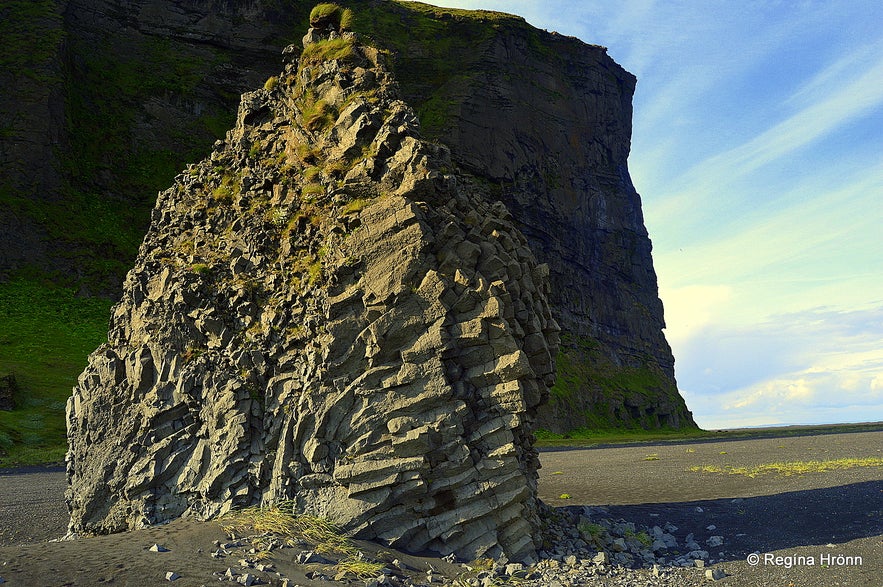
112	181
30	34
435	51
599	394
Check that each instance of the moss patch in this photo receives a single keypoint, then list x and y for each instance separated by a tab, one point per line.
48	332
605	395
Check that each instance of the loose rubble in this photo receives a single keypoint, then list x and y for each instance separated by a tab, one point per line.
582	546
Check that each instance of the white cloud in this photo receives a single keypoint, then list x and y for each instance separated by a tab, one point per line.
822	365
691	308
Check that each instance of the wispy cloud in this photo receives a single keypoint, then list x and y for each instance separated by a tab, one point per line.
810	241
814	121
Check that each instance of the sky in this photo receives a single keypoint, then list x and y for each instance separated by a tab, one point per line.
757	149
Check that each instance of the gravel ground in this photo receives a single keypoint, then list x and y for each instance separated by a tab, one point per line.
32	505
816	529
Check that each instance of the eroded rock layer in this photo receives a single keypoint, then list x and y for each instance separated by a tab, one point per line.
325	311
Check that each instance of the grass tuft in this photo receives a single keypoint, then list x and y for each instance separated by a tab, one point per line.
338	49
280	521
359	568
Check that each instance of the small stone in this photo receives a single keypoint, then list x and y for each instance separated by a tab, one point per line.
158	548
513	568
230	573
247	579
700	564
600	558
714	574
172	576
715	541
570	560
310	557
711	527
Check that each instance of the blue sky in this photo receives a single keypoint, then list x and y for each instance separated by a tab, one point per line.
758	152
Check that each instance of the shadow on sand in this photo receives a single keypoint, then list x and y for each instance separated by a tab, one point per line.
771	522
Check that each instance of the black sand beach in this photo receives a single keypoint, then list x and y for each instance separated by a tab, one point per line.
818	528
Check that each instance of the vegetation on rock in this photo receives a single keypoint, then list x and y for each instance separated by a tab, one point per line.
324	311
120	112
330	15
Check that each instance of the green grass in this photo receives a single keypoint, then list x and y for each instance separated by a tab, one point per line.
328	50
47	335
595	436
793	467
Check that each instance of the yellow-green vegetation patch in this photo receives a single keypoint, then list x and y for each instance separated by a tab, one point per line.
354	206
312	190
331	13
280	521
793	467
339	49
356	567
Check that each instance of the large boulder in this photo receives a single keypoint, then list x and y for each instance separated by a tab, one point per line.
324	311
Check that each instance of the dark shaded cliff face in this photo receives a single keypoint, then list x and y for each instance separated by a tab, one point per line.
137	89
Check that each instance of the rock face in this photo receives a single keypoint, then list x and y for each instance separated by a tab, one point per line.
557	148
110	98
327	311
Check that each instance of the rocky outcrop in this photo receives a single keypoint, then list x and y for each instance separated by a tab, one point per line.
134	89
325	311
557	151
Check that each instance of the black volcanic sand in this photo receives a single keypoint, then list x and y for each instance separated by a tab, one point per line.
813	515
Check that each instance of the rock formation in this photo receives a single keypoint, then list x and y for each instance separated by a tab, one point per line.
109	99
325	310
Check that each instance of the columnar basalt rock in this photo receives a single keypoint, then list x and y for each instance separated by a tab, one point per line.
327	311
114	96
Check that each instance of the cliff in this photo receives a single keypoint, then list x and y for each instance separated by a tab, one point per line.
125	92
